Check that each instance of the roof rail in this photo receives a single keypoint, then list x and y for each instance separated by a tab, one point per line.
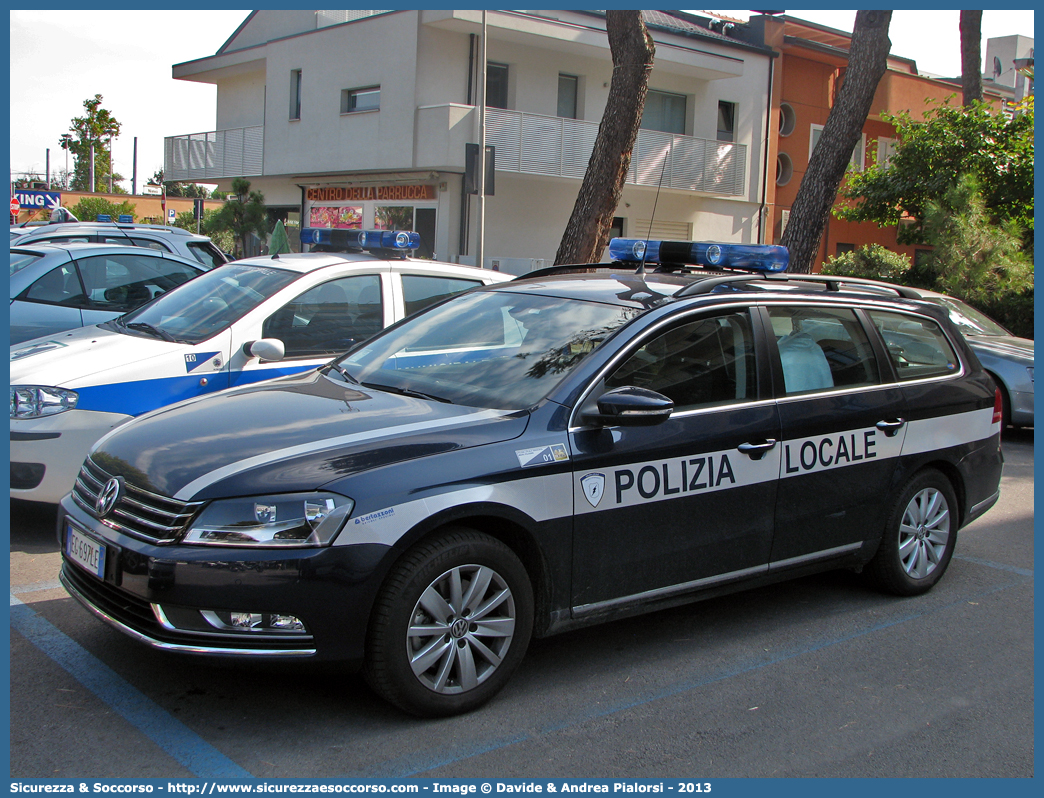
832	282
574	268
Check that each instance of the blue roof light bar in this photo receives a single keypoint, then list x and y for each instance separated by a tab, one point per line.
769	258
340	238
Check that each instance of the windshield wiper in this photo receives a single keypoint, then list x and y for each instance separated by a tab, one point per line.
145	327
342	371
407	392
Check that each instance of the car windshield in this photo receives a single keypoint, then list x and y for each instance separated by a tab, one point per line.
204	306
968	320
19	260
492	349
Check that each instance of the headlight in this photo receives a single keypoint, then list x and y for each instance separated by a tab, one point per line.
287	520
36	401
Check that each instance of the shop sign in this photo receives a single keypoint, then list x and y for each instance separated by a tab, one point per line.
412	193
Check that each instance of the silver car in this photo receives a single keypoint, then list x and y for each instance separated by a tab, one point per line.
1008	358
153	236
55	288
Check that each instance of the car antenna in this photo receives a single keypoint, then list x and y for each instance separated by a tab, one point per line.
656	199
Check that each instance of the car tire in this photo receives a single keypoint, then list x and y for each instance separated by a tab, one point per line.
450	624
919	537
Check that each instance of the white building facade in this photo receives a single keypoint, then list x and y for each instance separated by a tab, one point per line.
361	119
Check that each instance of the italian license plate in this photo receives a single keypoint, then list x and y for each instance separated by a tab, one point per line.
85	552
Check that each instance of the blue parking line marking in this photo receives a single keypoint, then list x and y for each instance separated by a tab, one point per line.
176	739
404	767
999	566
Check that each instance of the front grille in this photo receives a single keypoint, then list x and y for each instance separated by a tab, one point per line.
124	607
139	513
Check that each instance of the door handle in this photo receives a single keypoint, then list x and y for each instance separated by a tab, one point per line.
755	451
889	428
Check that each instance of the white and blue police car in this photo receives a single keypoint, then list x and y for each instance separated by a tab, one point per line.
534	456
245	321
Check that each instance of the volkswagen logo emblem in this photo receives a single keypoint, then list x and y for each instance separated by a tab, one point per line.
108	497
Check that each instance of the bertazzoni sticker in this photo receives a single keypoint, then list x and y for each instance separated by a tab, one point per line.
542	455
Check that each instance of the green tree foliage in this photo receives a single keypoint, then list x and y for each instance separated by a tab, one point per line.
88	208
871	261
242	214
929	156
96	127
975	260
222	239
176	189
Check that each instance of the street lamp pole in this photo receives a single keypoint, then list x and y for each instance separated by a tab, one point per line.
66	143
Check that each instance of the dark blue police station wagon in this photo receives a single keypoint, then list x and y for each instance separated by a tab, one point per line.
534	456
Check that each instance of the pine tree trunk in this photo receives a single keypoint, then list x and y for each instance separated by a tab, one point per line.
867	61
587	232
971	56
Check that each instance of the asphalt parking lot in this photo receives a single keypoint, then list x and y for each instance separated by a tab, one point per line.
820	677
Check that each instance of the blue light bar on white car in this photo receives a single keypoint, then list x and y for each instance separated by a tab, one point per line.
752	257
361	239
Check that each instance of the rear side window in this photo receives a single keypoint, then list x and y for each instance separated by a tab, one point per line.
917	346
420	290
142	242
206	253
19	260
822	349
81	239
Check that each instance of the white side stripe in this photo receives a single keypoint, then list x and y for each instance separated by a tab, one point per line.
217	474
939	433
541	498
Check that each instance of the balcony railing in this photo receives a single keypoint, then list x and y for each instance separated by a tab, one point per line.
551	145
238	152
525	143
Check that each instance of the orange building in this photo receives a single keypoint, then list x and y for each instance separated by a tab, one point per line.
808	72
148	208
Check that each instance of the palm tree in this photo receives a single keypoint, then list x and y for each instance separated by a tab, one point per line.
867	61
971	56
587	232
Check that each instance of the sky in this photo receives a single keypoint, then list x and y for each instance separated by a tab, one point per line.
59	58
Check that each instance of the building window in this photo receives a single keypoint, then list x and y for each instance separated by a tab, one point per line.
784	169
858	154
665	112
496	85
726	121
843	249
367	99
885	150
617	228
567	86
295	93
787	119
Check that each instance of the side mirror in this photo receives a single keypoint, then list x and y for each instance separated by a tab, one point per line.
631	407
269	349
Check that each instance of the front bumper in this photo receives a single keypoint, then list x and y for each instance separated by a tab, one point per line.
161	595
46	453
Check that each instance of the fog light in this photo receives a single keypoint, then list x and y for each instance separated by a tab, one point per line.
288	622
254	622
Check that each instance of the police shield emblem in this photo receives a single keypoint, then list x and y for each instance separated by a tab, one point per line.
593	486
